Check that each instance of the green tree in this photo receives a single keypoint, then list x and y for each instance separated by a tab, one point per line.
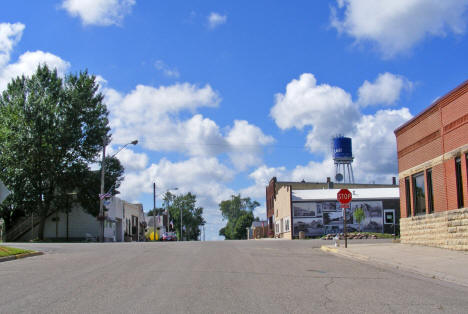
238	212
51	129
359	216
192	216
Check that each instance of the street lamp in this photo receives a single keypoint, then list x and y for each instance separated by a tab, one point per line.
101	196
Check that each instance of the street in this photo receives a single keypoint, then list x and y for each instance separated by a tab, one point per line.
265	276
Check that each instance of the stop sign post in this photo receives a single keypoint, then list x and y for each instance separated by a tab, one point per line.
344	196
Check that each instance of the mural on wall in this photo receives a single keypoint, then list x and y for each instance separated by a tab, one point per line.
311	226
310	209
317	218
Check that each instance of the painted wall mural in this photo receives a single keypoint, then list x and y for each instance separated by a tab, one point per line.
317	218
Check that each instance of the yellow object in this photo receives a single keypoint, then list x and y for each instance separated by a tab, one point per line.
151	236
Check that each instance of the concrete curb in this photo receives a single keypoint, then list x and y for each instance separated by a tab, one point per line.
19	256
411	269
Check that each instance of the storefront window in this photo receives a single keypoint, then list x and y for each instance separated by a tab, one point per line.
408	197
430	194
419	194
458	174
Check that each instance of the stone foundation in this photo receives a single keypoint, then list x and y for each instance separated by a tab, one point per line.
447	229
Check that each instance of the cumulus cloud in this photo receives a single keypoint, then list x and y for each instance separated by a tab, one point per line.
216	19
322	107
27	63
129	159
10	35
395	26
99	12
306	104
261	177
385	90
205	177
166	70
374	145
246	141
153	115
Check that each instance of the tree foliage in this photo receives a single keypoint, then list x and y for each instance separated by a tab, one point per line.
238	212
51	129
192	216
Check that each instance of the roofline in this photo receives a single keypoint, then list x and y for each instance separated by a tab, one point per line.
335	183
441	101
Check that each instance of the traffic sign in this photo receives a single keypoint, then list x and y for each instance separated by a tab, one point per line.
344	196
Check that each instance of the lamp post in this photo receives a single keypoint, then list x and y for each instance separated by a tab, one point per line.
101	195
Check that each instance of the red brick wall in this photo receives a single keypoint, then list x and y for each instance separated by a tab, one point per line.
438	187
441	129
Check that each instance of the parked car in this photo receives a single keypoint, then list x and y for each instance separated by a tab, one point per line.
169	236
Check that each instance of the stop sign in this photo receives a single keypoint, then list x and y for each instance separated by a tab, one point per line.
344	196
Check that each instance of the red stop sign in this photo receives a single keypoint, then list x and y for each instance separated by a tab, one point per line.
344	196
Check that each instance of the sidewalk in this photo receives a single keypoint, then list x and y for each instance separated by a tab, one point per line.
431	262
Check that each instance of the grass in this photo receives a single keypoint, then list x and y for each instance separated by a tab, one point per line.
8	251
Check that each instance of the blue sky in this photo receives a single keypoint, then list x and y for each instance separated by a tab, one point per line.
223	95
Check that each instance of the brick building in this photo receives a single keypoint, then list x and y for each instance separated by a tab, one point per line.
432	164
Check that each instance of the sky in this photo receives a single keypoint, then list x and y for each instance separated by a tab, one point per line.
224	95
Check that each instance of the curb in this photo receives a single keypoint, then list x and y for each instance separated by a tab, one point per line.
410	269
19	256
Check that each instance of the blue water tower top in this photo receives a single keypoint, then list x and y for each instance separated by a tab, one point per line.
342	147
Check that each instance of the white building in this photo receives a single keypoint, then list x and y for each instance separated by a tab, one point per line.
124	221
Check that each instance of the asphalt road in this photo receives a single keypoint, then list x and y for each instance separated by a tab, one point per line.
266	276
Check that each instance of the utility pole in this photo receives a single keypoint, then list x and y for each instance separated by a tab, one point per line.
101	199
154	211
180	223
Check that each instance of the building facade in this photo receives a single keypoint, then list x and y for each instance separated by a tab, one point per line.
312	208
124	222
432	164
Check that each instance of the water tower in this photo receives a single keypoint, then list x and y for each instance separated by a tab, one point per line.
343	157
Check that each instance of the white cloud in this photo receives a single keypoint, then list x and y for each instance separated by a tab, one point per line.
395	26
261	177
322	107
246	142
153	115
314	171
216	19
28	63
10	35
166	70
384	91
130	160
205	177
374	145
99	12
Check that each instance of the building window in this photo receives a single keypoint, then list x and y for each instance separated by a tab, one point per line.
430	194
286	225
419	194
408	197
458	174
